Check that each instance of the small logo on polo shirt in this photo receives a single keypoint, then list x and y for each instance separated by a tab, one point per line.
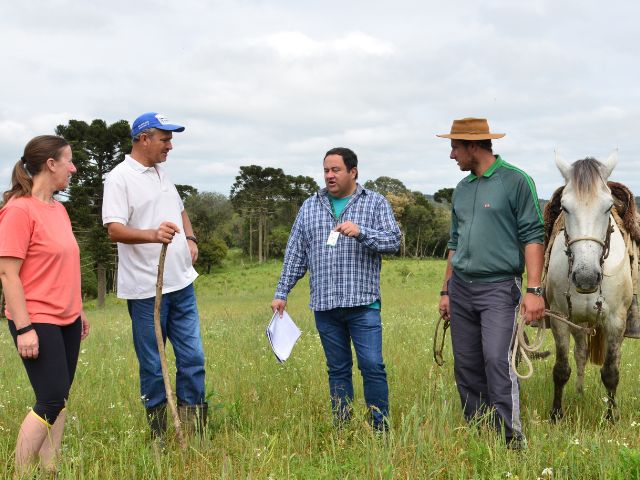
487	205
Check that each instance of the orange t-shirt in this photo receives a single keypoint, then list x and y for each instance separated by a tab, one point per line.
40	234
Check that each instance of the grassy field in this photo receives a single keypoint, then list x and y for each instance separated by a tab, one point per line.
271	421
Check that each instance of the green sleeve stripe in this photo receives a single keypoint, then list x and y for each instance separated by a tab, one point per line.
532	187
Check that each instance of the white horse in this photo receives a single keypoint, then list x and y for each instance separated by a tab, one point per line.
589	278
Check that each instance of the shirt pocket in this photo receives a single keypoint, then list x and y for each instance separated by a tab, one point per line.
361	217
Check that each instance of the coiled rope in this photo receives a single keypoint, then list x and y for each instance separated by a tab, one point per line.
438	349
521	346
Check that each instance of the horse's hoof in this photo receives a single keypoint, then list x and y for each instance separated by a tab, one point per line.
612	415
556	415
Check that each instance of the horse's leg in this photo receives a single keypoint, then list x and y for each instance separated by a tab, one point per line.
561	369
610	371
580	354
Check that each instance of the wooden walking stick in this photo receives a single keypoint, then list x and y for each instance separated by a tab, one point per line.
163	357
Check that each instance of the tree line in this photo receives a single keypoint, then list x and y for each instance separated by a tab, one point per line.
255	217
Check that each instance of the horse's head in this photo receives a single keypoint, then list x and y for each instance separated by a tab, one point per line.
586	203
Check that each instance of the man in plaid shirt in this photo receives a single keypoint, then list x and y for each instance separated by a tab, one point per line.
339	236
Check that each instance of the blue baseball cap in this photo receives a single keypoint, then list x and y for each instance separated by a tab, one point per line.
153	120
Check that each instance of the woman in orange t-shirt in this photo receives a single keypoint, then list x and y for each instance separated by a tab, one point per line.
40	274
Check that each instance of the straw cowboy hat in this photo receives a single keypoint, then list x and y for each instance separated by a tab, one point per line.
471	129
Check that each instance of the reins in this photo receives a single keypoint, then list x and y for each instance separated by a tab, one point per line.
521	346
438	349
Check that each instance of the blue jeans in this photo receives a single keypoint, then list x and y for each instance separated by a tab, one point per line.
180	322
362	325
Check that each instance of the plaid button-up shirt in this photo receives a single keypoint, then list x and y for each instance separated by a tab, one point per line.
347	274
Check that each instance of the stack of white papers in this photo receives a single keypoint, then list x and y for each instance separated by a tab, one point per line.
283	335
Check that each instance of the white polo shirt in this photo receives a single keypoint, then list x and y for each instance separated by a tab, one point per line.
143	197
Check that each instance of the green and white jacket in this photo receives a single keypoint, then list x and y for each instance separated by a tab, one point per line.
493	217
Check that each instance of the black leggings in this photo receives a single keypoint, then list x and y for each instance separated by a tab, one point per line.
51	374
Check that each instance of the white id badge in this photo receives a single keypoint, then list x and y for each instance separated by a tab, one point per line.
333	238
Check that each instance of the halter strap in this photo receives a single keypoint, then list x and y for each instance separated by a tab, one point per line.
591	239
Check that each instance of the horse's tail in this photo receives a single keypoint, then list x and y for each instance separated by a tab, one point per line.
597	347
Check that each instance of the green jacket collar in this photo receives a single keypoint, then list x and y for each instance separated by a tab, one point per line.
494	166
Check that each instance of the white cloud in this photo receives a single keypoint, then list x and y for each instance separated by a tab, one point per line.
279	83
294	45
363	43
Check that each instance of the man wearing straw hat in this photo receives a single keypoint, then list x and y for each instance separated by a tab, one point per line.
496	230
142	210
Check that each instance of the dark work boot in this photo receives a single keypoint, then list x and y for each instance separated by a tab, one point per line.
157	418
632	329
194	419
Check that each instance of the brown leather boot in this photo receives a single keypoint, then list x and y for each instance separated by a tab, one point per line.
632	329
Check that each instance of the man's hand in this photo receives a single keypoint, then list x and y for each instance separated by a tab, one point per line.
532	308
278	305
348	229
193	250
165	232
443	307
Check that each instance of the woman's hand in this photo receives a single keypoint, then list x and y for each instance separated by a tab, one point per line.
85	326
28	345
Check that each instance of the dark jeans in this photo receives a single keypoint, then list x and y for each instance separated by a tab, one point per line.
180	322
483	321
362	325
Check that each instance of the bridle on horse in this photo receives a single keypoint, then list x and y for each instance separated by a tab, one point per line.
606	245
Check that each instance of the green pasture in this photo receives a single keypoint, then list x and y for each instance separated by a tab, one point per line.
272	421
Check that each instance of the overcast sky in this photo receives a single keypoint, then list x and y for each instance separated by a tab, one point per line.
278	83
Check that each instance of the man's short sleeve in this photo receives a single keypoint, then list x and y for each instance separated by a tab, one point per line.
115	204
180	202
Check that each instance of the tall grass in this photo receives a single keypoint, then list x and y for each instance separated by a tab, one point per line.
273	421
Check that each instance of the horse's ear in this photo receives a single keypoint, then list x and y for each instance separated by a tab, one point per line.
609	164
563	166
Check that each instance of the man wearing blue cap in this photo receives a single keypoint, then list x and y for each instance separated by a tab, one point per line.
142	210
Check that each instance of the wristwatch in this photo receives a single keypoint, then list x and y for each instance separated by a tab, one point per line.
535	290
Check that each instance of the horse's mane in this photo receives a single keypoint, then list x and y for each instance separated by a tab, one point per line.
586	176
624	203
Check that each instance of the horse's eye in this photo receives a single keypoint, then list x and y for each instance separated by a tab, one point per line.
609	209
564	209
